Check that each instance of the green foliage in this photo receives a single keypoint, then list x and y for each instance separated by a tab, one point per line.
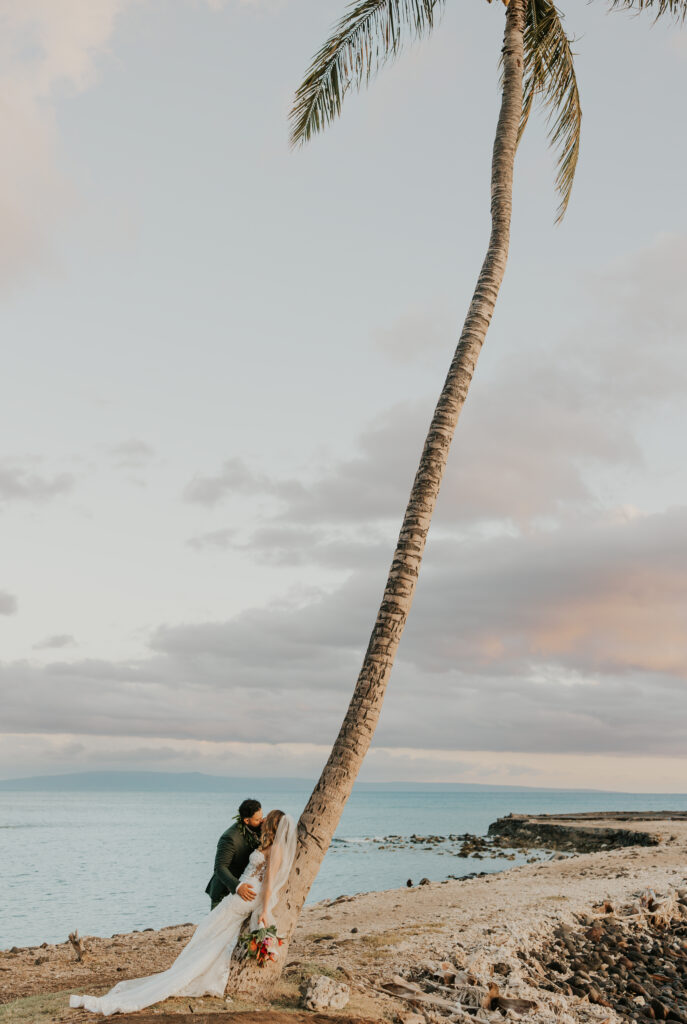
677	9
550	76
258	935
371	33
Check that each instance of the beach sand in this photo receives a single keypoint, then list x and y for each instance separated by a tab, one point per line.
498	930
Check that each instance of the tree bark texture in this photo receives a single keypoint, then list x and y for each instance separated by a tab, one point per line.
318	821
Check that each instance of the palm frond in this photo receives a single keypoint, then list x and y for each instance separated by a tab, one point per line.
676	9
550	75
368	35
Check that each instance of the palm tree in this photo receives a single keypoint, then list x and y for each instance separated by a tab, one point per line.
536	61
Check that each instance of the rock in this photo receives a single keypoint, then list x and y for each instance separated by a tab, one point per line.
596	997
424	881
409	883
354	931
324	993
410	1018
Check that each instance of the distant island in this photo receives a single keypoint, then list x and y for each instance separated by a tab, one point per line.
198	782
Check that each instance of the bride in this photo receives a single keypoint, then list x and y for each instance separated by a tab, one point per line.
202	967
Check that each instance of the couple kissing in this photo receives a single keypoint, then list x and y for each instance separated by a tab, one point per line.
253	863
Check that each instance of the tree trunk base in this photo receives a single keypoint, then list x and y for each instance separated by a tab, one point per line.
246	979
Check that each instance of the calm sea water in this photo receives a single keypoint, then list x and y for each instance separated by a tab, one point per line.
113	862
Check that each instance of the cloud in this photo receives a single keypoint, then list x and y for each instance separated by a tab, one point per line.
131	454
536	435
499	468
221	539
567	640
19	483
234	478
54	642
604	596
544	624
47	50
45	47
8	603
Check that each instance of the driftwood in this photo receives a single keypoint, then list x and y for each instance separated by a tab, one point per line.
473	997
506	1003
408	990
78	944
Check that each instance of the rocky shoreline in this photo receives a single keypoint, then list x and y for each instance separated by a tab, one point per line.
567	833
587	938
632	962
535	837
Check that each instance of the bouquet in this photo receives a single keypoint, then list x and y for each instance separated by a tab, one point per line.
262	944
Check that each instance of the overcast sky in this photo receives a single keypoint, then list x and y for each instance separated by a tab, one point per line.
219	362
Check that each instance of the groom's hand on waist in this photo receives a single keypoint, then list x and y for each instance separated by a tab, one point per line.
246	892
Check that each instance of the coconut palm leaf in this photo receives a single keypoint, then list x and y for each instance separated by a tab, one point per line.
677	9
550	76
368	35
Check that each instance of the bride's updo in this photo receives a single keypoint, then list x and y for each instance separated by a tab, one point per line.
269	828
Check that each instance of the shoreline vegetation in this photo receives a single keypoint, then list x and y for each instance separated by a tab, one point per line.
592	929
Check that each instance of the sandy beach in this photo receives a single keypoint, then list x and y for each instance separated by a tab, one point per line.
453	950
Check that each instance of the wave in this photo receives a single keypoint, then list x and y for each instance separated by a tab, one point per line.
356	840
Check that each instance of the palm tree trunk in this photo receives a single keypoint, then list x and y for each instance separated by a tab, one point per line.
321	816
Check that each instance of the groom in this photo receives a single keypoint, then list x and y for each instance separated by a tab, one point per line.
233	850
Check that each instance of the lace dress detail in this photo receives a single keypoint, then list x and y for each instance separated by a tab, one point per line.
202	967
255	872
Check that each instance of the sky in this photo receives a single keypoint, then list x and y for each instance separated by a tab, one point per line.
220	357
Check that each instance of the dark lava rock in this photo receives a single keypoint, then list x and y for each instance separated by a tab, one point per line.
607	961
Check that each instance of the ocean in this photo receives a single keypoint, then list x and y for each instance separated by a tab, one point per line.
107	862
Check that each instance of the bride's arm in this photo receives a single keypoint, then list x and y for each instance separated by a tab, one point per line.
273	862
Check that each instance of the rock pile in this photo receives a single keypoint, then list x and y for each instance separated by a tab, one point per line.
520	834
634	961
631	960
459	845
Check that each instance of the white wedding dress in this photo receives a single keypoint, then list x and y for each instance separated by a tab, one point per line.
202	967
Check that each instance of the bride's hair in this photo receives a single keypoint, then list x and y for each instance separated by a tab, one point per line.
268	831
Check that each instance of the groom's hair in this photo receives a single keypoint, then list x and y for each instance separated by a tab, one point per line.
248	808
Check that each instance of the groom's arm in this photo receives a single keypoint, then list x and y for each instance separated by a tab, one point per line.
226	848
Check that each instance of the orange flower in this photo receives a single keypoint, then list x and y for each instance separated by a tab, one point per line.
253	945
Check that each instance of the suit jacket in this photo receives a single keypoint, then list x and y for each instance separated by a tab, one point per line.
231	860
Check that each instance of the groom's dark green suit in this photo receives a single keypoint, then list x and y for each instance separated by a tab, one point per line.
231	860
